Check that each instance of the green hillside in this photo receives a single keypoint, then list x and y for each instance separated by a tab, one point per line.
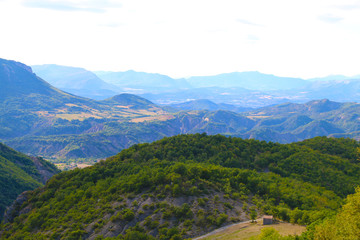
187	185
19	173
344	225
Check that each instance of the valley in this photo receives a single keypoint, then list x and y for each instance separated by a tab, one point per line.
44	121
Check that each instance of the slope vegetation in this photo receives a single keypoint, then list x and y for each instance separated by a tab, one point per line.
187	185
19	173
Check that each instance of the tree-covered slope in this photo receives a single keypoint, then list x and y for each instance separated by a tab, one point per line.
19	173
290	122
187	185
344	225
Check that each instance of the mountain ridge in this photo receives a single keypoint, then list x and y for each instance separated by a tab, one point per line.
262	89
75	80
59	125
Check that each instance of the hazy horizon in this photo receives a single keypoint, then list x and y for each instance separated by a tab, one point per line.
301	39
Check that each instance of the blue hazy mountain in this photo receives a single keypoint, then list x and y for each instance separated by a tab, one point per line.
248	80
17	80
205	104
39	119
140	82
244	89
239	97
75	80
347	90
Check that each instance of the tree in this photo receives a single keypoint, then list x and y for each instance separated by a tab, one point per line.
253	214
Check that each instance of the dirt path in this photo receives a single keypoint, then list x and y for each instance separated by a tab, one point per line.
222	229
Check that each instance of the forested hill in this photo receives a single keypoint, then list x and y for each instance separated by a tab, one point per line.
19	173
344	225
187	185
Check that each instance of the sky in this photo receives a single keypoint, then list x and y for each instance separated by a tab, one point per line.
182	38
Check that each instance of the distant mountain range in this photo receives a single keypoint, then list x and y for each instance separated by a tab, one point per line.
205	104
39	119
76	81
242	89
334	77
141	82
30	107
248	80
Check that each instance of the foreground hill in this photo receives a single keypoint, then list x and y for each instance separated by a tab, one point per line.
187	185
344	225
19	173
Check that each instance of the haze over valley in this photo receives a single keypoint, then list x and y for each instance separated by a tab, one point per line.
242	89
66	126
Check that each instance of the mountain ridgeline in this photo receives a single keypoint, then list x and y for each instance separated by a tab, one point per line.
249	80
77	81
242	89
284	123
187	185
39	119
139	82
205	104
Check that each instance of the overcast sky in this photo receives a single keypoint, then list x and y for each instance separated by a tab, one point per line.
181	38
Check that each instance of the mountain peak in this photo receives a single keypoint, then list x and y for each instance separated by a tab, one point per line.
4	62
323	105
17	79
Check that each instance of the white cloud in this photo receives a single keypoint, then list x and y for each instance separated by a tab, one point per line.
330	18
80	5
